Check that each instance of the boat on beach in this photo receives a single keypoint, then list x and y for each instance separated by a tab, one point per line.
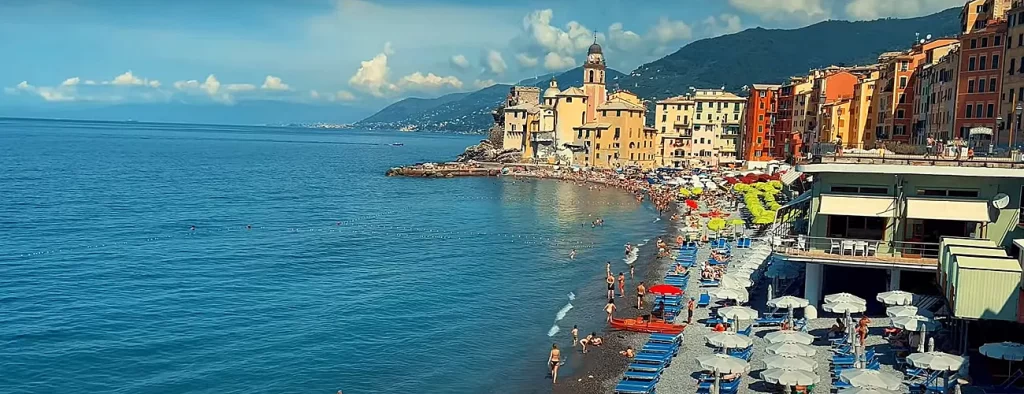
641	325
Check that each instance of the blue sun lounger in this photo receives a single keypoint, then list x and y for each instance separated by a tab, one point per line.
666	338
704	300
664	359
660	348
635	387
646	367
638	375
708	283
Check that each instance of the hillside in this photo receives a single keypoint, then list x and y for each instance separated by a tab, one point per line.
463	112
771	56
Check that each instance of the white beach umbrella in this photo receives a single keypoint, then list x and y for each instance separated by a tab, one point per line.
871	378
844	308
844	298
916	323
793	349
936	361
790	363
902	310
1010	351
738	313
728	340
896	297
788	302
734	281
729	293
723	363
789	336
866	390
788	377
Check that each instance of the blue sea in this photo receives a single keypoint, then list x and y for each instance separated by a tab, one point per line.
308	270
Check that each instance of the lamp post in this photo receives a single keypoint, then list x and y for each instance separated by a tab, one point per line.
1016	123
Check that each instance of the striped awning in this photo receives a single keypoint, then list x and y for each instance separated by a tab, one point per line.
790	176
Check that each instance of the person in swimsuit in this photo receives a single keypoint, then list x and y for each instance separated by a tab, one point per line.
608	268
611	285
629	353
622	285
586	341
641	291
631	266
572	254
575	335
554	358
610	309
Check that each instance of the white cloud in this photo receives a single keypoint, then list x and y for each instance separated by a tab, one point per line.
429	82
127	79
574	39
58	94
722	24
622	39
186	85
70	81
89	82
274	83
239	87
556	62
803	11
480	84
25	86
345	95
313	94
874	9
153	84
211	85
460	62
372	76
494	63
667	31
526	60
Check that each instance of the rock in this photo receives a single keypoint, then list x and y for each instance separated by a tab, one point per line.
485	151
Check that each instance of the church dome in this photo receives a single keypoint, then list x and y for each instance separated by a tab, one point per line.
595	48
552	90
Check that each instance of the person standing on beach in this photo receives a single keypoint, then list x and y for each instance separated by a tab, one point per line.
622	285
575	335
641	291
611	285
554	358
631	266
690	306
610	309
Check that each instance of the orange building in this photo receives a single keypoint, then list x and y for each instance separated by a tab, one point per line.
980	78
759	122
895	89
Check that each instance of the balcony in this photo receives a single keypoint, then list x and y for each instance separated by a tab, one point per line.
918	256
898	153
542	136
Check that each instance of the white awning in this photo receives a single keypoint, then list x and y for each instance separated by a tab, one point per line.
940	209
832	204
790	176
980	131
799	199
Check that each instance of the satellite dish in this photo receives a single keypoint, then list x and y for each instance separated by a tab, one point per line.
928	37
922	41
1001	201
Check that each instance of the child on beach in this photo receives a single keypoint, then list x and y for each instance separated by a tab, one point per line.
610	309
622	285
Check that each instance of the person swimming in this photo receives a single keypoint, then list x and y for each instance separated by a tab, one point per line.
572	254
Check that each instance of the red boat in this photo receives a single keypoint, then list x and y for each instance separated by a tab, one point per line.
640	325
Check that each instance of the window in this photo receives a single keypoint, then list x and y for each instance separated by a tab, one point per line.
900	113
981	85
974	43
618	113
970	111
947	193
597	133
996	41
977	111
735	106
970	86
700	107
860	189
991	110
760	129
664	118
568	99
760	118
618	132
995	62
1013	65
984	42
982	62
902	98
761	104
992	85
970	63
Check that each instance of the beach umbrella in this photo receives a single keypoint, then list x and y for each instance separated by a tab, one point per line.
723	363
871	378
728	340
734	281
1009	351
896	297
789	303
844	298
729	293
916	323
901	310
665	290
787	377
846	308
691	203
789	336
936	361
790	363
738	313
793	349
866	390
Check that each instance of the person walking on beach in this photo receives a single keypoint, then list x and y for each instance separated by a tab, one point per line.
622	285
631	266
691	305
575	335
641	291
610	309
611	285
554	358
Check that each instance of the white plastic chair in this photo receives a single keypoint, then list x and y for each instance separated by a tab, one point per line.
848	245
872	249
801	242
834	247
862	247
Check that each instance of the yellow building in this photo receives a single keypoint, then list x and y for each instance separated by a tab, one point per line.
716	126
516	122
673	123
862	125
836	122
618	138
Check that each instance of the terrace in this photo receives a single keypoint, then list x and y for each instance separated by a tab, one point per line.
913	155
905	255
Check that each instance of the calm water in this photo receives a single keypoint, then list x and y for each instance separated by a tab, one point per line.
346	280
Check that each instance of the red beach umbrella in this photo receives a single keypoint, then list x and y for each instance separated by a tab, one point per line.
692	204
665	290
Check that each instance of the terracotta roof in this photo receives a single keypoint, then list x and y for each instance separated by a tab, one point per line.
620	105
573	91
676	100
760	86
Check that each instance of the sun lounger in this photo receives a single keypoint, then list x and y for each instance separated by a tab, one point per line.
741	353
746	331
769	321
708	283
704	300
725	387
665	359
638	375
666	338
658	348
646	367
635	387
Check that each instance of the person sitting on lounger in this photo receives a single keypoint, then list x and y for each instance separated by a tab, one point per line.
659	310
680	270
838	329
719	327
554	358
629	353
730	377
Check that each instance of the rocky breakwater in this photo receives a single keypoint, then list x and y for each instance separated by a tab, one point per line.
447	170
485	151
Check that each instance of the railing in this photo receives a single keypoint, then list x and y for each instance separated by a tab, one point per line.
863	251
542	136
894	152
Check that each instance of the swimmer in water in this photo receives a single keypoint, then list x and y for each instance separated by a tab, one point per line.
193	228
572	254
248	227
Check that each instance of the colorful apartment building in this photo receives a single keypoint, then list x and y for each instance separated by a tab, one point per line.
980	80
759	123
936	97
1011	132
862	115
896	88
673	123
717	118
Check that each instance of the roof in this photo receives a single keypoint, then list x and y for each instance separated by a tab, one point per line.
676	100
573	91
594	125
522	107
988	263
594	48
893	169
760	86
620	105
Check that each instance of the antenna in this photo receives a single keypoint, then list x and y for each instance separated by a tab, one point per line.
1001	201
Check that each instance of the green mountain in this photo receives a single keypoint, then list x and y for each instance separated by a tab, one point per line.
464	112
773	55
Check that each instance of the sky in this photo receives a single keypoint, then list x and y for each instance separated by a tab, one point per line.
365	53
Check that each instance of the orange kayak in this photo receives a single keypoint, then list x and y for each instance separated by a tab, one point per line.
646	326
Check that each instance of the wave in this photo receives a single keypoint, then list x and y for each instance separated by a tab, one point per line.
657	220
632	256
554	330
561	312
572	296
